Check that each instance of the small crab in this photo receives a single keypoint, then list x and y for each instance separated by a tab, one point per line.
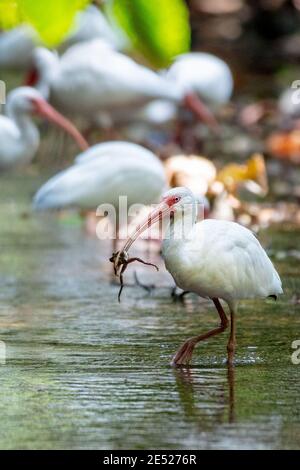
121	259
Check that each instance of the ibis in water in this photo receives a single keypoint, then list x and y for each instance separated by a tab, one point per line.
216	259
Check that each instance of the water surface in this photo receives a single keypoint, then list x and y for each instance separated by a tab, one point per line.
84	372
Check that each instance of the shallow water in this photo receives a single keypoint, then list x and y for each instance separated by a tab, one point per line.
82	371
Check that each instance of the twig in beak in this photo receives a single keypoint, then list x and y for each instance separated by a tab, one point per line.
121	261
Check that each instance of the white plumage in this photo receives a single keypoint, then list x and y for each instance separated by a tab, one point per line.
102	174
213	258
204	74
19	135
92	77
92	24
289	103
16	47
17	146
224	260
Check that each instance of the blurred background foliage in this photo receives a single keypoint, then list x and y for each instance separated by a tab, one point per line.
256	36
52	20
10	15
159	29
261	36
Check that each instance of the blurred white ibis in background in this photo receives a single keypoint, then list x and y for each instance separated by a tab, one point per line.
289	103
199	74
16	47
289	107
102	174
212	258
204	74
18	44
92	78
19	135
90	24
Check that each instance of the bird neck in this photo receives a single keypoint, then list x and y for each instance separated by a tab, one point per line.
46	67
29	134
180	226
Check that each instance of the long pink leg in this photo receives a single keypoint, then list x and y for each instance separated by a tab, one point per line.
185	352
232	341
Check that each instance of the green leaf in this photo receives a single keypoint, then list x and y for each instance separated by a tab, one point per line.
9	14
160	29
52	19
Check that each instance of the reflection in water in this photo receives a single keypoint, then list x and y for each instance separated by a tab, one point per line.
231	394
197	391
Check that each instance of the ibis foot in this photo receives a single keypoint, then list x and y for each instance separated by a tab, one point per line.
184	354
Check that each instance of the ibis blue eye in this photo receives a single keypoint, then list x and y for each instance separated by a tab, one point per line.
176	199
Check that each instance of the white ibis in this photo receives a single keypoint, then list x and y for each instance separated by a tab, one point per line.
92	78
215	259
101	175
19	135
204	80
289	103
204	74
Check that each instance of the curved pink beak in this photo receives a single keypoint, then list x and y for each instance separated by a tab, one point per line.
44	109
155	215
201	111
